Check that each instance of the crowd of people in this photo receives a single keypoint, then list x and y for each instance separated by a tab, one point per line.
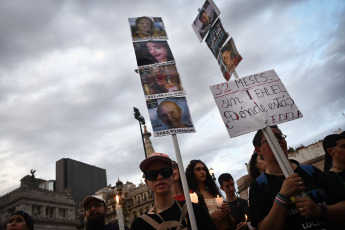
307	199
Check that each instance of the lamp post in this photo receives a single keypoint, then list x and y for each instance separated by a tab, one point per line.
212	173
141	120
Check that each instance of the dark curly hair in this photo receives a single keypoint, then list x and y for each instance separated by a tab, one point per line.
254	172
210	184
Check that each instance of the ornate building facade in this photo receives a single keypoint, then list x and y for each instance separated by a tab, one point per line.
49	209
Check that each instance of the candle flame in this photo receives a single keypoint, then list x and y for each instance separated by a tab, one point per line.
245	215
117	199
217	196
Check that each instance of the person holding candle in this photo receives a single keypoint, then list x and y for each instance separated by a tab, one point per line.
239	207
273	202
200	180
95	211
166	212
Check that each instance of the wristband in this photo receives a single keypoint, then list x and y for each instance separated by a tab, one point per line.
324	212
282	200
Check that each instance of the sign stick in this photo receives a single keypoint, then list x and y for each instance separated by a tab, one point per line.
184	183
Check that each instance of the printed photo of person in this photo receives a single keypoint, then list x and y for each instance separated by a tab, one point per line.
228	59
152	52
205	19
169	113
216	38
160	79
147	28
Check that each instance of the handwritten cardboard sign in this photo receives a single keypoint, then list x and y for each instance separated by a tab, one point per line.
250	103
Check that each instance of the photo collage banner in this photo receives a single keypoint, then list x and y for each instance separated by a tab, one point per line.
163	90
206	23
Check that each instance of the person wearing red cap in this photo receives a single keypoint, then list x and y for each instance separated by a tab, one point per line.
166	213
95	211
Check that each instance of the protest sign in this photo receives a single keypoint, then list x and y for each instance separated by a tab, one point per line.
250	103
147	28
216	38
170	116
228	59
206	17
153	53
161	82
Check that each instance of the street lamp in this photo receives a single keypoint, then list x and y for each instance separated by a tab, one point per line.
141	120
212	173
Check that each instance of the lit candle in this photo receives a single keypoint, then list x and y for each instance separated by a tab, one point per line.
245	215
194	197
119	214
219	201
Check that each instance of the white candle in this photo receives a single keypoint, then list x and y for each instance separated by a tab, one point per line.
219	201
119	214
194	198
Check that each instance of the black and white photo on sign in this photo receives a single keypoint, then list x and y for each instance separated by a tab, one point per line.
152	52
205	19
160	79
216	38
145	28
228	59
169	113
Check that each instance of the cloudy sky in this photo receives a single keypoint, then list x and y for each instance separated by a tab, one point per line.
68	86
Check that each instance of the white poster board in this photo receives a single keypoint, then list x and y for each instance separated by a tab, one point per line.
250	103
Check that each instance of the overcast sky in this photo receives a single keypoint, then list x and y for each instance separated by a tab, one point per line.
68	86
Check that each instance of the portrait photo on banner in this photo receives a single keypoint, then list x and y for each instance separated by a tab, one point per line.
152	52
169	113
160	79
205	19
146	28
216	38
228	59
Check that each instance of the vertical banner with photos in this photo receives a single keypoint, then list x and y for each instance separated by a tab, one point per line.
164	94
205	19
227	55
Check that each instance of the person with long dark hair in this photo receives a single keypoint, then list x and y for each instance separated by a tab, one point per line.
199	180
257	165
334	167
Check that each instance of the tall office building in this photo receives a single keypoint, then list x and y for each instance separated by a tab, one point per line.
79	178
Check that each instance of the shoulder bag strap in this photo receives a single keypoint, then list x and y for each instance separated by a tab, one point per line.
150	221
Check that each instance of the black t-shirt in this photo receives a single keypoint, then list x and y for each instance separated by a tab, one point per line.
114	226
336	187
261	199
203	220
238	208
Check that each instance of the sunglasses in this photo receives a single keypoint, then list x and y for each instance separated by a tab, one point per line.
153	175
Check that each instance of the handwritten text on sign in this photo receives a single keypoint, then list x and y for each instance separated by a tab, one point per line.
250	103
